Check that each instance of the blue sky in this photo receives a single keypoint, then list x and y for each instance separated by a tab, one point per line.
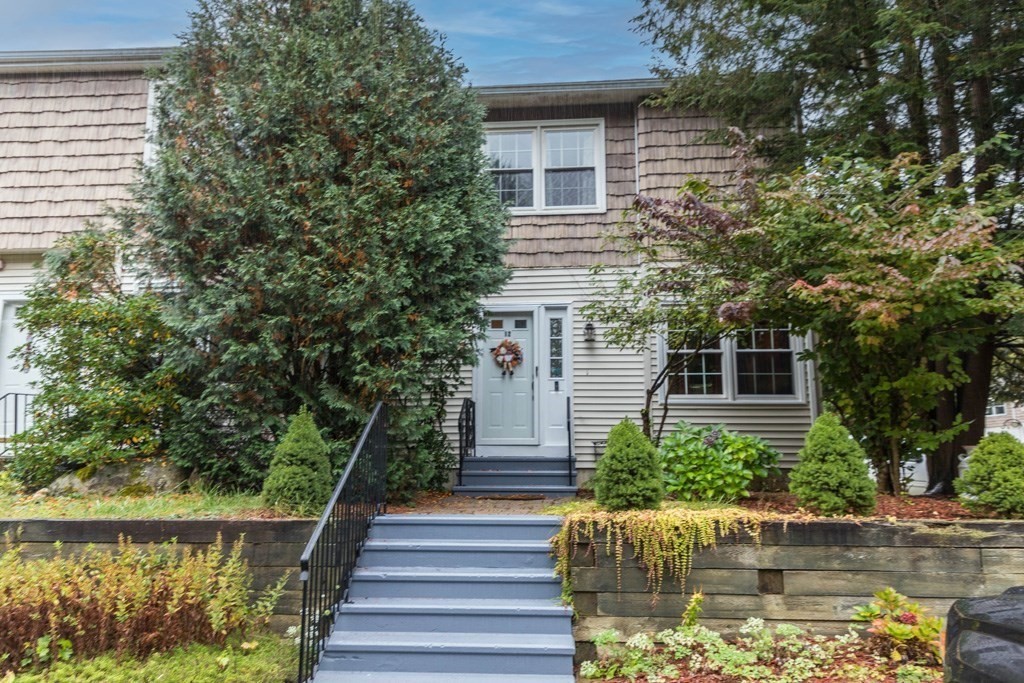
529	41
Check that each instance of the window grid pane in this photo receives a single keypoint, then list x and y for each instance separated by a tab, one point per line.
764	363
515	188
569	148
510	150
570	188
701	375
555	366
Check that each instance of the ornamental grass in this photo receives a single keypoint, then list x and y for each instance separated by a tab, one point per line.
132	602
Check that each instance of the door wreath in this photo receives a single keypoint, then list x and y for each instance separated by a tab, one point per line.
508	355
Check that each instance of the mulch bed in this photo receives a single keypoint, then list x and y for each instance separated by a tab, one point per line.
886	507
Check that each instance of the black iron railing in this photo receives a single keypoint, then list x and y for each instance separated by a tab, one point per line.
568	425
17	417
330	556
467	433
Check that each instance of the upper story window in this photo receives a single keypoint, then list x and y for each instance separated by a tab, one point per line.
995	409
550	167
758	364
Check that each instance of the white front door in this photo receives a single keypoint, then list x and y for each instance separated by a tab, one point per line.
506	414
15	378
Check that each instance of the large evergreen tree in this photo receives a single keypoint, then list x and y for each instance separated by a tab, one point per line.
318	210
873	78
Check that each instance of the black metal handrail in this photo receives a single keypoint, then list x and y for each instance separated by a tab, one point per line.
17	417
330	555
568	426
467	433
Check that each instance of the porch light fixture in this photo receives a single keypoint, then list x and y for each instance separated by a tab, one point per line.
589	332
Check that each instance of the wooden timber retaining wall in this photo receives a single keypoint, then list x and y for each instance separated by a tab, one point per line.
271	547
811	574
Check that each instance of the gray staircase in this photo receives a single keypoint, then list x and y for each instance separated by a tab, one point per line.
549	476
452	599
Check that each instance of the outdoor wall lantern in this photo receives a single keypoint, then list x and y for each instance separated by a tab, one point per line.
589	332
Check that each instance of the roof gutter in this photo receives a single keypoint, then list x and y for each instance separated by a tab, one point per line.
79	61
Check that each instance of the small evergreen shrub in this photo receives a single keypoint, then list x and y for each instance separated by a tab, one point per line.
832	475
713	464
995	476
132	602
300	473
628	476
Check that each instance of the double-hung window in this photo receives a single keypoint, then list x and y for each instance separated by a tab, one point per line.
756	364
551	167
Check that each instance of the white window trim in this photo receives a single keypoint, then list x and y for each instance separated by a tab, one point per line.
537	128
730	396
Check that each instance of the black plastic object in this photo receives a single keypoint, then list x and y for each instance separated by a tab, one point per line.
985	639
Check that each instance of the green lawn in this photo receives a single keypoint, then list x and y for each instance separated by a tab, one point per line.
165	506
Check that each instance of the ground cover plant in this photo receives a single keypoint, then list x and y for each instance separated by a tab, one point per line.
781	653
664	539
262	658
133	602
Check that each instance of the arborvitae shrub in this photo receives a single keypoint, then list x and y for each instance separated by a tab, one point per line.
995	475
300	473
832	475
628	475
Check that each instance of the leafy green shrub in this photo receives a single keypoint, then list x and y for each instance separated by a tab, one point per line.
103	394
900	630
132	602
832	475
995	475
628	476
300	473
9	486
712	463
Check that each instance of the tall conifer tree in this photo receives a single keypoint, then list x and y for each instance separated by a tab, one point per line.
318	210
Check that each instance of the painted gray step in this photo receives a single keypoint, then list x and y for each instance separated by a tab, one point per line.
466	527
513	463
429	553
419	677
545	490
460	615
434	582
453	652
535	478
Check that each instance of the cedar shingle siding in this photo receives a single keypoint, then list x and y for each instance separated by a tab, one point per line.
671	149
69	145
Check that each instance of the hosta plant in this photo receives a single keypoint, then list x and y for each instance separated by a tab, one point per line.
713	463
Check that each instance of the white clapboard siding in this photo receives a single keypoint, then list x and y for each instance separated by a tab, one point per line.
18	274
609	384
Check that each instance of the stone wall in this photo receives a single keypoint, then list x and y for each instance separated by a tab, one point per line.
811	574
272	547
